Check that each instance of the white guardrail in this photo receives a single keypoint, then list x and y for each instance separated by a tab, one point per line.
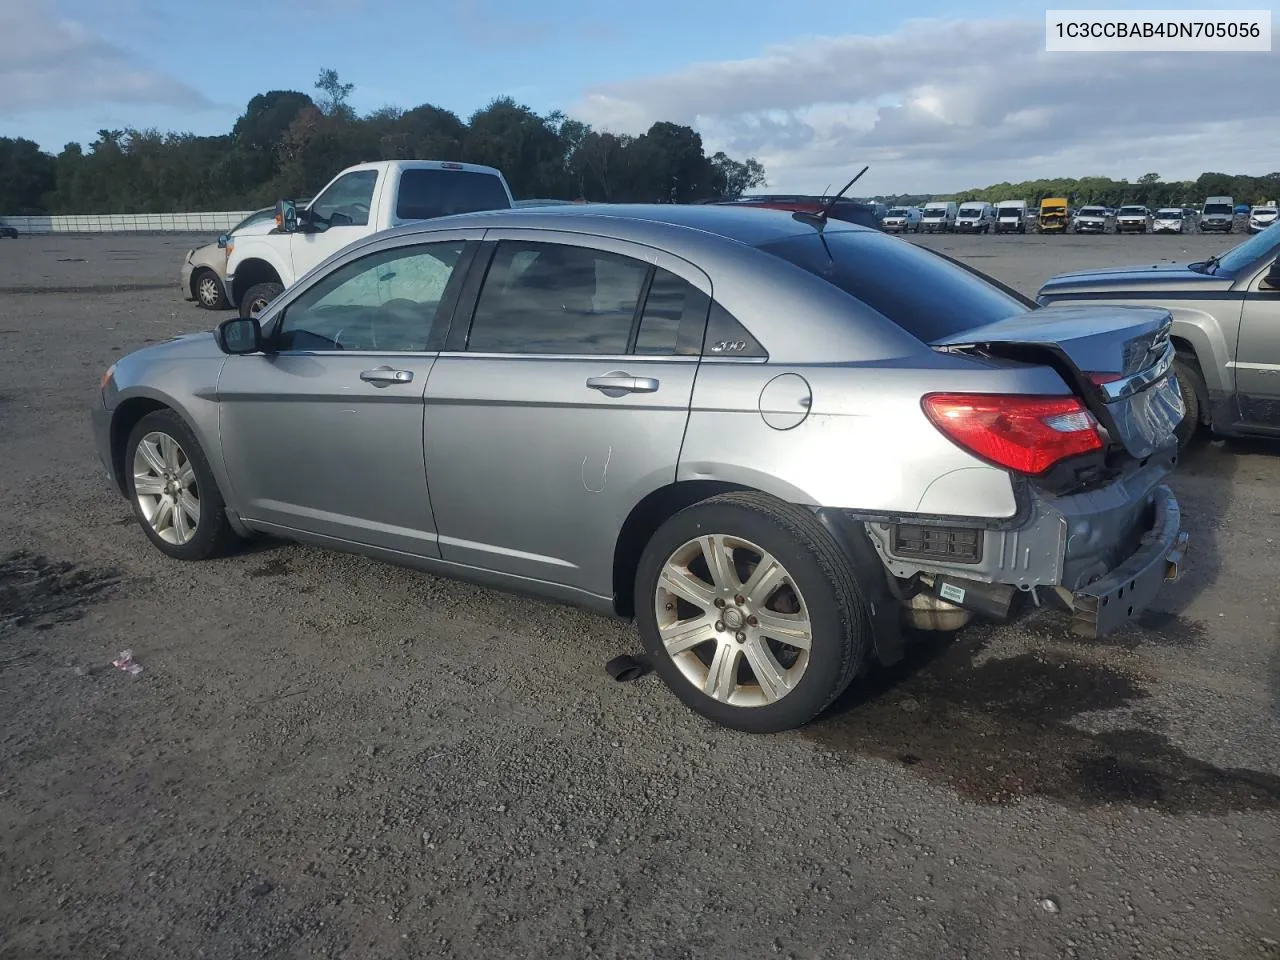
215	222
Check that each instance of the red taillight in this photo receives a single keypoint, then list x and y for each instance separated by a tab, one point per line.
1024	433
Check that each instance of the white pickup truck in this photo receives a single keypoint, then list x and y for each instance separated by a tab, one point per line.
359	201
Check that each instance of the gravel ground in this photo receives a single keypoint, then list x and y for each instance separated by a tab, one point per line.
325	756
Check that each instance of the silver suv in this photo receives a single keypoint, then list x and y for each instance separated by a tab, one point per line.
771	439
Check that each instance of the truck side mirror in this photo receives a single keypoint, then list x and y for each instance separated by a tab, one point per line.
1273	275
286	216
223	240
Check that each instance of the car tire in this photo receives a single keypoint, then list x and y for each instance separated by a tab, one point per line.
812	582
173	491
208	291
258	297
1194	398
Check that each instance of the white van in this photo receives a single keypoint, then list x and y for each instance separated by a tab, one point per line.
1218	214
938	216
1011	216
975	216
901	220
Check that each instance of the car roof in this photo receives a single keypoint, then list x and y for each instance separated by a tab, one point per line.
748	225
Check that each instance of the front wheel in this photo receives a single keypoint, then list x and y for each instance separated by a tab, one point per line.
1191	387
750	612
258	297
172	489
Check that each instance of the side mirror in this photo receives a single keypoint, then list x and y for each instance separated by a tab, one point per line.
1273	275
239	336
223	240
286	216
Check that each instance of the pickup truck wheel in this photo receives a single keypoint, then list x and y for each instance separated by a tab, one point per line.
750	612
257	297
209	293
172	489
1191	386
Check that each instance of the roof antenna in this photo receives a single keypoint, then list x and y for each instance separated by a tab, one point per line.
832	202
819	219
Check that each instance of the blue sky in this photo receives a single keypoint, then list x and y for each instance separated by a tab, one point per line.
785	81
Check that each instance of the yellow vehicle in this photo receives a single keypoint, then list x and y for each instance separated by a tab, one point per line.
1053	215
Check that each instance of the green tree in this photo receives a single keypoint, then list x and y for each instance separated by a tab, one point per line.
334	102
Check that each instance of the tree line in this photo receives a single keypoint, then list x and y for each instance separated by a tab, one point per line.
1149	190
289	144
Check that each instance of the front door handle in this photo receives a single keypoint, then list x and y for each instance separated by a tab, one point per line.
383	376
617	383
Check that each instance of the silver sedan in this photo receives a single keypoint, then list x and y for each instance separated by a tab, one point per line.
772	440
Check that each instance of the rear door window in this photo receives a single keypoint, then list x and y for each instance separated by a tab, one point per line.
922	293
551	298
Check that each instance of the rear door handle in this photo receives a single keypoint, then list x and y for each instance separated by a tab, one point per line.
384	376
617	383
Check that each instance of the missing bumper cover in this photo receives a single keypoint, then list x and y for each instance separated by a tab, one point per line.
1114	600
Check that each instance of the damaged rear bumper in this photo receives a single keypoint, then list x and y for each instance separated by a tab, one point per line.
1116	598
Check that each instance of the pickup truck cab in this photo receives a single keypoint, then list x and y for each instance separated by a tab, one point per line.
359	201
1226	329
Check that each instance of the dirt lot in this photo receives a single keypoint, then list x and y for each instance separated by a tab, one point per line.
325	756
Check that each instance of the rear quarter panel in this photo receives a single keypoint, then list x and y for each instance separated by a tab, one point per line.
864	444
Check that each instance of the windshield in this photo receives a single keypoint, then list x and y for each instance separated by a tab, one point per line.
1264	211
1092	212
1132	212
897	212
935	212
1053	209
256	217
439	193
1219	208
919	291
1169	214
970	211
1010	211
1260	245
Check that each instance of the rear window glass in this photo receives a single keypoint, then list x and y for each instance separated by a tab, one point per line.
919	291
438	193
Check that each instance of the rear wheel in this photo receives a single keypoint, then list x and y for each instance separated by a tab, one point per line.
257	297
750	613
1191	386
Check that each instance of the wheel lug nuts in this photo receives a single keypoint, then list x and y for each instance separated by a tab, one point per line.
742	637
753	621
719	626
719	601
671	606
739	599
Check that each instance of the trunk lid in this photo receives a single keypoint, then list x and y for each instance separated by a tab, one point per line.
1117	359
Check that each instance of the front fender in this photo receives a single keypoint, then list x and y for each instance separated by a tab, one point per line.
170	385
248	249
1214	341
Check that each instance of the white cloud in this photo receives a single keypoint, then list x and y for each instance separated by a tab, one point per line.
52	63
946	105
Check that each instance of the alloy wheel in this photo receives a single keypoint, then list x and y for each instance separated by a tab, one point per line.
733	621
164	485
208	291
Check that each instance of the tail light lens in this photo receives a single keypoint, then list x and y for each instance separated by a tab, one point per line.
1028	434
